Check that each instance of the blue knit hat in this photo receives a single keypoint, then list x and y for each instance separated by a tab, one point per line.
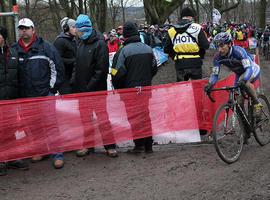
84	24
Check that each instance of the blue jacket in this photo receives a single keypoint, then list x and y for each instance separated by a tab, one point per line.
238	61
41	69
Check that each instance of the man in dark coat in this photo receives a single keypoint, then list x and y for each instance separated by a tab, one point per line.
8	90
134	65
41	73
66	45
91	75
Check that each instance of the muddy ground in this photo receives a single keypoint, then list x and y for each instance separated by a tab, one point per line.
175	171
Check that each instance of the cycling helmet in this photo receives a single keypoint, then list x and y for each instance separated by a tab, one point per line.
222	38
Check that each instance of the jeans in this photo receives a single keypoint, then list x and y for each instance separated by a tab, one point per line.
57	156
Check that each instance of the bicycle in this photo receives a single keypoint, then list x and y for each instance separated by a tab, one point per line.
234	122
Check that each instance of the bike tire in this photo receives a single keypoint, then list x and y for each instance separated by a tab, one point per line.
262	128
228	139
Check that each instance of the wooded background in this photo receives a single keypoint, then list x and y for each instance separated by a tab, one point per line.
107	14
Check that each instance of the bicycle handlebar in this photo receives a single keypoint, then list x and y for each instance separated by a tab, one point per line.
219	89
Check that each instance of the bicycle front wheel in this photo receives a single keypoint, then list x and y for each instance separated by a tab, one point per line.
228	134
262	125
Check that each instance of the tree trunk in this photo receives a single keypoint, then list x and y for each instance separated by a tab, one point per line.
80	6
122	5
157	11
262	13
102	15
114	11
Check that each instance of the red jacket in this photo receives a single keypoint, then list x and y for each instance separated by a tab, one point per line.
114	46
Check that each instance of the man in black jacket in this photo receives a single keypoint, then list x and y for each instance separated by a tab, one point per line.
66	45
90	75
134	65
8	90
186	44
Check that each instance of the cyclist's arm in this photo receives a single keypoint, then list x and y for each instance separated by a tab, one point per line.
215	71
247	64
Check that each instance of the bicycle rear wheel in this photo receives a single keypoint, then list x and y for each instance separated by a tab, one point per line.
262	126
228	134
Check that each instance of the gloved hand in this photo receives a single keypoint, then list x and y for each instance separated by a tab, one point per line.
241	83
208	87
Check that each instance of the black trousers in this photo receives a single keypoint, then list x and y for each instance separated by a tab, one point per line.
140	120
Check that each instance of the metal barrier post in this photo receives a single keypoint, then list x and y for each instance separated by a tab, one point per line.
15	15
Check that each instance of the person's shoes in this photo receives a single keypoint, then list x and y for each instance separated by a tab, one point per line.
136	150
112	153
203	132
58	163
257	110
3	169
18	164
82	152
36	159
148	150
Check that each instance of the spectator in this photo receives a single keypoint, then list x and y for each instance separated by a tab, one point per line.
66	45
134	65
186	44
153	38
143	31
41	73
120	33
8	90
113	42
90	75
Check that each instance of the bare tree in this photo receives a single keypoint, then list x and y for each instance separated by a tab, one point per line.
114	7
262	12
222	8
157	11
98	13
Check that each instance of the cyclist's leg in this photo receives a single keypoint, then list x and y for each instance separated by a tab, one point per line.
249	87
251	91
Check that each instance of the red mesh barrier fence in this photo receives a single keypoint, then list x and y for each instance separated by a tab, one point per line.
41	126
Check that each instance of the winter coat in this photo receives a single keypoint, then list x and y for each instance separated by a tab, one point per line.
8	75
41	70
134	64
92	64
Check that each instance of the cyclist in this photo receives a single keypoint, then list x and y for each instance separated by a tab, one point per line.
240	62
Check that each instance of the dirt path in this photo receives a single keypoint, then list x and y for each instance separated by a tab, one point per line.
171	172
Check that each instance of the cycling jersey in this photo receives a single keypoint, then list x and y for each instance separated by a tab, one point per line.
238	61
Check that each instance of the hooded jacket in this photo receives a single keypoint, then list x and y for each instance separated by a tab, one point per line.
133	65
186	44
92	64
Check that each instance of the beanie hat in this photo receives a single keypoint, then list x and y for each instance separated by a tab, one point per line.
187	12
67	21
84	24
3	32
130	29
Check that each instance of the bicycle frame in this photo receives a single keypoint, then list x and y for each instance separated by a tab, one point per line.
246	117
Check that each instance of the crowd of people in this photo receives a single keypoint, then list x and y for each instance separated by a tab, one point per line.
78	61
